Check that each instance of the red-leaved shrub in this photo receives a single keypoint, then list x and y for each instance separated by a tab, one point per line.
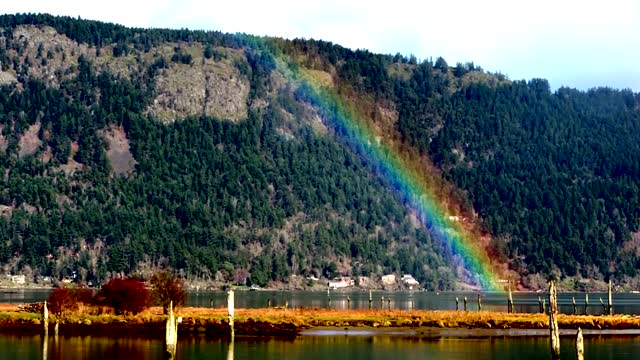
125	295
68	299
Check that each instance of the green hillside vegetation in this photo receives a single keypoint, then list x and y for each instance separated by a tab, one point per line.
238	202
552	176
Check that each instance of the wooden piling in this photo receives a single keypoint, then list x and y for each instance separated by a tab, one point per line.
370	299
604	307
212	303
457	304
510	299
544	306
575	308
382	302
610	303
540	307
348	303
45	344
586	304
479	302
554	332
389	303
45	313
171	334
465	303
56	329
231	310
579	345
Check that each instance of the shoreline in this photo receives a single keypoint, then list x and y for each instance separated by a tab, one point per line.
319	322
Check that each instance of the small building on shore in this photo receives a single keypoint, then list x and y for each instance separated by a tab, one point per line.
410	281
389	279
18	279
342	282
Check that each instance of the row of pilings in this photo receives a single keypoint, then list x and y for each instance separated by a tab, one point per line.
173	320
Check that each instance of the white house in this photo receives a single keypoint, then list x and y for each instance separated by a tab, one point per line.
409	281
18	279
342	282
388	279
338	284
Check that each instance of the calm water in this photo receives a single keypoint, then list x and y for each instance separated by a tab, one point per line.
624	303
363	346
313	347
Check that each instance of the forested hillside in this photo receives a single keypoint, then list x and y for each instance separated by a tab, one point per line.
127	149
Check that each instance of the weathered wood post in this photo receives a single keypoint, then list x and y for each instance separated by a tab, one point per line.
45	340
586	304
544	306
510	299
610	303
231	310
382	302
212	303
575	307
604	307
457	304
348	303
56	329
389	303
370	299
540	307
479	302
45	314
579	345
269	302
465	303
553	321
171	333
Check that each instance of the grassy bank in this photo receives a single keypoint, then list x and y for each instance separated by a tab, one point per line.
289	322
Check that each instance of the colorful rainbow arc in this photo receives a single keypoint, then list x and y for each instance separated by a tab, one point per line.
396	169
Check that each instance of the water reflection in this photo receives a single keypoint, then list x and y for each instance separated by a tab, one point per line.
13	347
230	350
88	347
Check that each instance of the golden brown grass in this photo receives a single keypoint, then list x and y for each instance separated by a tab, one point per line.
306	318
8	307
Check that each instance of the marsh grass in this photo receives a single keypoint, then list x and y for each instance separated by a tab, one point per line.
308	318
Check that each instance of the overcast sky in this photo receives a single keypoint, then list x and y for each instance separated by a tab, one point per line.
580	44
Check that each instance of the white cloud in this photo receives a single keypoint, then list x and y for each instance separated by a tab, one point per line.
570	42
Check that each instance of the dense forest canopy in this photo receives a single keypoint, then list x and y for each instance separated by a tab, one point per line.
261	190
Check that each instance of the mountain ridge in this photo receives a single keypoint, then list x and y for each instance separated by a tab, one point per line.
113	85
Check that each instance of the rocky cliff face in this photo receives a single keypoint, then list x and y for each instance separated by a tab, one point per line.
204	86
210	86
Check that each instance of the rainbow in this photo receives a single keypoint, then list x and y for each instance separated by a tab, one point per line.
398	169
